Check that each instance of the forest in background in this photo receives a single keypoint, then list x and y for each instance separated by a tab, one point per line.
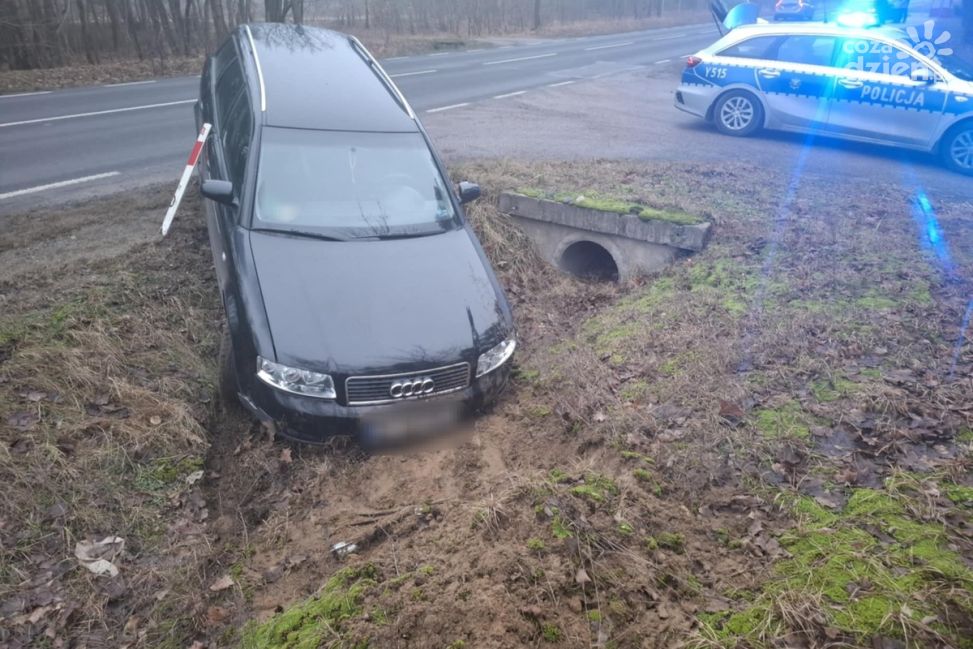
51	33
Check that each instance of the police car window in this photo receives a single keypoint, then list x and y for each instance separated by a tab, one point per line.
350	185
867	55
809	50
760	47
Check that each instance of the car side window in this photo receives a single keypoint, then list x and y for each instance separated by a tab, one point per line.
867	55
228	87
807	50
760	47
236	134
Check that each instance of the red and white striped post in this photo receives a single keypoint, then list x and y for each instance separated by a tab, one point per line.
184	181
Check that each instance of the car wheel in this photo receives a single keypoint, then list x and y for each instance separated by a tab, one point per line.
957	149
738	113
228	386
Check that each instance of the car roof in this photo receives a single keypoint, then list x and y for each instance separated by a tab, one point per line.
321	79
821	28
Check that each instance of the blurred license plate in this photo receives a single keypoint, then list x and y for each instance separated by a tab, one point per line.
411	420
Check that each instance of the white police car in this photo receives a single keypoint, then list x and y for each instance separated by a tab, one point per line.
872	85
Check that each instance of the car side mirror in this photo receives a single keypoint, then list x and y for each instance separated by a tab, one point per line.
922	75
468	192
220	191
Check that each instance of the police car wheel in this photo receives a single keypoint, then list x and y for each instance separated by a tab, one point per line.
738	113
957	149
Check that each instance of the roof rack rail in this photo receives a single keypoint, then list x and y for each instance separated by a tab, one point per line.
383	77
260	72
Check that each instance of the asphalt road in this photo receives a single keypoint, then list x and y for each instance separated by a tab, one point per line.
74	143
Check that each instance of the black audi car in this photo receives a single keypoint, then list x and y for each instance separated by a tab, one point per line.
357	297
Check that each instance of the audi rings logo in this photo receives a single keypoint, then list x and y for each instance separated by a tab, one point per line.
412	388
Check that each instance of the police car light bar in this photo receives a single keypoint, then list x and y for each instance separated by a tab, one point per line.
184	181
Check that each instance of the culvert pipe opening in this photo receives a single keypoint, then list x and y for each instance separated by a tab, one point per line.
588	260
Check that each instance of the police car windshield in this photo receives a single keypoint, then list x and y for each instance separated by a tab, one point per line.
350	185
960	68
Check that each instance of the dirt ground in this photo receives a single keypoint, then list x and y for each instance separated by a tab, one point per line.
768	445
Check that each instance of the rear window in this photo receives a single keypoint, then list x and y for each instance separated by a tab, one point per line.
759	47
808	50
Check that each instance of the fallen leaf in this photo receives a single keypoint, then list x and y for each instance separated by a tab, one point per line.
194	477
216	614
155	420
582	577
22	420
224	582
97	556
285	456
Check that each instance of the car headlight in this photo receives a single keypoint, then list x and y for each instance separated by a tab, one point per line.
495	357
294	380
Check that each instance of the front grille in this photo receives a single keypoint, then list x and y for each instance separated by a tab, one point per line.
363	390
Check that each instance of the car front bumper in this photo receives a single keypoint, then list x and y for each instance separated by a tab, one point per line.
312	420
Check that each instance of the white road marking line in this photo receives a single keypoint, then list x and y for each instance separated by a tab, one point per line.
396	58
58	185
523	58
510	94
26	94
412	74
98	112
610	45
439	54
662	61
479	49
560	83
128	83
450	107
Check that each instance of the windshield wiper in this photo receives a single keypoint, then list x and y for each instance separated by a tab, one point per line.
303	233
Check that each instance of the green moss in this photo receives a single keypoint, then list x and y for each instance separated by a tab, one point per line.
787	421
827	390
596	487
868	565
965	436
625	528
315	622
535	545
959	494
165	472
558	476
876	302
634	390
598	201
551	633
560	529
528	376
594	615
539	411
671	541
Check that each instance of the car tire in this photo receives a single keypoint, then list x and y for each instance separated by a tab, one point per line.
228	385
956	148
738	113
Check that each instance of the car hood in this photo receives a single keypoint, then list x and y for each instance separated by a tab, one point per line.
351	307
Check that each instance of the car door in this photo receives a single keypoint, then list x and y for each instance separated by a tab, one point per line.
797	79
876	97
232	122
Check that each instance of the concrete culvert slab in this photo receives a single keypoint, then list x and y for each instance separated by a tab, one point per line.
620	240
588	260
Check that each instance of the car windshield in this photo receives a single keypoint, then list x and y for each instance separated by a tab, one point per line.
350	185
958	67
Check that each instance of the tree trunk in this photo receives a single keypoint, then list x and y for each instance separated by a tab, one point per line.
537	15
